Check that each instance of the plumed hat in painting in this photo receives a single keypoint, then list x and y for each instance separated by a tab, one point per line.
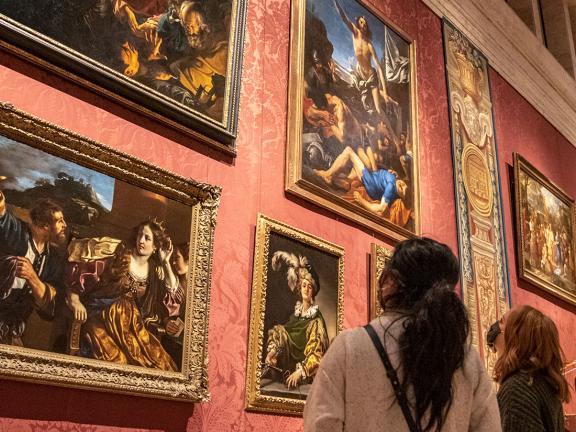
297	268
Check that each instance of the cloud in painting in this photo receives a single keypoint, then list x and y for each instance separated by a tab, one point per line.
24	165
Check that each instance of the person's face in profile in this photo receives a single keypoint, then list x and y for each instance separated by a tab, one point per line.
179	263
495	335
57	231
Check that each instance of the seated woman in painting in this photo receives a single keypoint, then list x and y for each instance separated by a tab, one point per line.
297	346
119	292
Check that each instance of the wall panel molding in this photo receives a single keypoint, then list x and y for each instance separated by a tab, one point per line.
516	54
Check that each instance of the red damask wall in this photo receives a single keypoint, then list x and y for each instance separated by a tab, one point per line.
520	128
254	183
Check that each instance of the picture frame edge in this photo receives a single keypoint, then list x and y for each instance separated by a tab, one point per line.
204	198
521	163
293	171
254	400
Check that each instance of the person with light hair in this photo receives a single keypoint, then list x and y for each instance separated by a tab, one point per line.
529	371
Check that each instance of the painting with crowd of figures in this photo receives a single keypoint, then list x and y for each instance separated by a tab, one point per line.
352	137
104	265
177	60
297	299
545	232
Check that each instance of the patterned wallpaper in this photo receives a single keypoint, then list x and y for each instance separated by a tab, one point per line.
253	183
520	128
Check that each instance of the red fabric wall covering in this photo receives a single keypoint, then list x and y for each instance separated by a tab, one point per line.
520	128
253	183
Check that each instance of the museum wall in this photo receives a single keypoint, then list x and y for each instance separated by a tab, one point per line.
520	128
253	183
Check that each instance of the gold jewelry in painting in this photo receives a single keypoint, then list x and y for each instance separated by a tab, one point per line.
105	266
544	232
379	257
297	300
352	135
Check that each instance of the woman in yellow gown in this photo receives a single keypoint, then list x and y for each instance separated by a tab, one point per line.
124	297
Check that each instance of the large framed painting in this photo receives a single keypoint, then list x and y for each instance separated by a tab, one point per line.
297	298
176	61
352	136
379	258
105	266
545	218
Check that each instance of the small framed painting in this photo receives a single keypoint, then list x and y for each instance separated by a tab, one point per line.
544	232
297	298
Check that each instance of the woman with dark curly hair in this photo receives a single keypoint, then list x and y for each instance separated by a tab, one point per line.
411	369
123	293
529	370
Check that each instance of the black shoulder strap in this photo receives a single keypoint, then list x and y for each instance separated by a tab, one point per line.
391	373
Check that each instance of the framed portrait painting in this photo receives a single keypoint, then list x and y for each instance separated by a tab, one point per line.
352	135
105	266
379	258
297	298
544	232
177	61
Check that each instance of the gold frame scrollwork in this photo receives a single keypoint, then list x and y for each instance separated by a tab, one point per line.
379	257
191	384
255	400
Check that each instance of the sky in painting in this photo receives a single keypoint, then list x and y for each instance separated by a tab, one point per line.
24	165
341	37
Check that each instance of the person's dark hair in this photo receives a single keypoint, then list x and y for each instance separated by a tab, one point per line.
42	214
531	344
161	239
421	277
184	249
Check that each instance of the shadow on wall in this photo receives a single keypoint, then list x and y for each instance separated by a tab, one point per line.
81	408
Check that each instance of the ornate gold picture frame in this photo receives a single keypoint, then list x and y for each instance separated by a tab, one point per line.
176	62
296	311
545	217
379	257
104	213
352	116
